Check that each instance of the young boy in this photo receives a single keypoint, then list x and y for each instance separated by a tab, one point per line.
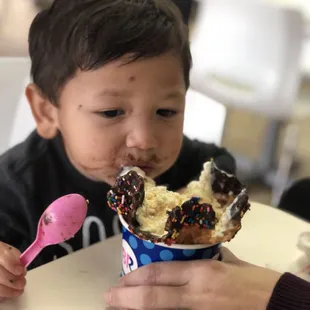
109	85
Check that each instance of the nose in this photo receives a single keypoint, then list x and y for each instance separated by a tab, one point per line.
142	136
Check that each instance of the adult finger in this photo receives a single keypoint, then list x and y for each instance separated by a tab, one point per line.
163	273
229	257
147	297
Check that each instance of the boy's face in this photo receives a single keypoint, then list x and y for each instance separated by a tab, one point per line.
123	115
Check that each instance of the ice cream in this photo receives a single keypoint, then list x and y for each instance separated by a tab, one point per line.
208	211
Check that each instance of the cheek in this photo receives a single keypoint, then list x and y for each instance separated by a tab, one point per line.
174	149
91	153
87	142
171	140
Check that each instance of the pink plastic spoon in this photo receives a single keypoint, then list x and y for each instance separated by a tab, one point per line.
60	222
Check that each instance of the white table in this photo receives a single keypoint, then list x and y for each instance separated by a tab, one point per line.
268	238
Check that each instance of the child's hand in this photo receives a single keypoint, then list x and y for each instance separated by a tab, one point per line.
12	273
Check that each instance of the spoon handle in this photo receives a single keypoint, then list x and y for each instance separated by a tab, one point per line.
30	254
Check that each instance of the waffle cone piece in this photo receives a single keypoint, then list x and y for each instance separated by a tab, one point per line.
209	211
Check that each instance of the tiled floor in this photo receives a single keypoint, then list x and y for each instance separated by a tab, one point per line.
15	19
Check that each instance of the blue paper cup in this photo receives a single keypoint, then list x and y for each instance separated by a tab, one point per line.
137	252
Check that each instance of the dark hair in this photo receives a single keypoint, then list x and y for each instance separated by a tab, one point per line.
87	34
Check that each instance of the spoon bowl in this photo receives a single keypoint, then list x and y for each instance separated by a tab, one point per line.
60	222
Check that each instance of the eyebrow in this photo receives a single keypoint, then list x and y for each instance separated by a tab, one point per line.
125	93
114	93
174	95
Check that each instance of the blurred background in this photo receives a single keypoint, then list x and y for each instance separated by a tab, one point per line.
250	82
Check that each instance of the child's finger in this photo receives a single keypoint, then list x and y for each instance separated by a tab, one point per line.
10	280
9	259
8	292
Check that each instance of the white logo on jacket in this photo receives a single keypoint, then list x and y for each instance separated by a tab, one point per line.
89	221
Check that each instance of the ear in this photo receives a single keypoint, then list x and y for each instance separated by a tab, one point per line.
43	111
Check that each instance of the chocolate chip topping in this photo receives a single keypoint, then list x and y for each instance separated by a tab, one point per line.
240	206
225	187
224	184
128	192
127	195
191	213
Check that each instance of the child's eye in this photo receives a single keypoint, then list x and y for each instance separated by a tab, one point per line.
111	113
166	113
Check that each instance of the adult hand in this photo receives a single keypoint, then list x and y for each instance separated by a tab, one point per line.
197	285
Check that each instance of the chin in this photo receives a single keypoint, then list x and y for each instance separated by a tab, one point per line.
100	177
110	179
